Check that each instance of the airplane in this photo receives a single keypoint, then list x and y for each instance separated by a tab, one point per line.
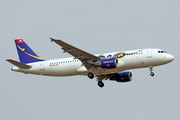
114	66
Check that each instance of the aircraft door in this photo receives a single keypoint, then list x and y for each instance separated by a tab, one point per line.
42	66
149	53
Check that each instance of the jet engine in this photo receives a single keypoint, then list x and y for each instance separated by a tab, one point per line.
122	77
109	63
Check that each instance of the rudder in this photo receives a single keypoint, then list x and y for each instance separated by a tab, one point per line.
26	54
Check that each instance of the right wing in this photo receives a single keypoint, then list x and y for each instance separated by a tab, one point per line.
86	58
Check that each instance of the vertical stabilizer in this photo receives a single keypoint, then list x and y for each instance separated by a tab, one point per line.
26	54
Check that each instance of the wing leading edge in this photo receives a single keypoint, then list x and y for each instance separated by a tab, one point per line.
86	58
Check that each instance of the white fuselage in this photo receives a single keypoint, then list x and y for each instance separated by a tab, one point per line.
69	66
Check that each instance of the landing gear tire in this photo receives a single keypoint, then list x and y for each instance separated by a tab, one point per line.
90	75
152	74
100	84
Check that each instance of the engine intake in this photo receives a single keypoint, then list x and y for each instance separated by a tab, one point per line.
122	77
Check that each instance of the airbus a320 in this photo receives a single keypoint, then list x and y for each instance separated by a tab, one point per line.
114	66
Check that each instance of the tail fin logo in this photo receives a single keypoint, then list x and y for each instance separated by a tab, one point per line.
26	54
34	56
23	49
20	41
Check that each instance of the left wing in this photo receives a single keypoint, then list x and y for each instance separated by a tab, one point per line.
86	58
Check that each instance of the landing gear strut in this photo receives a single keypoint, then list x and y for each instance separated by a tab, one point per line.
100	84
151	69
90	75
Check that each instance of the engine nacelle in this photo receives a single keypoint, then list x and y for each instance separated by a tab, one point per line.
109	63
122	77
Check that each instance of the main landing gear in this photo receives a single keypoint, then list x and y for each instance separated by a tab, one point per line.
90	75
100	84
151	73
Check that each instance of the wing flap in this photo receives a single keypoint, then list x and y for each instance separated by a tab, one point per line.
18	64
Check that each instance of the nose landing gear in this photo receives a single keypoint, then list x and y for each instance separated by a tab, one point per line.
151	73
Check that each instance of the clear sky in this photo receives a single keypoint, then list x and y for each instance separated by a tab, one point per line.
96	27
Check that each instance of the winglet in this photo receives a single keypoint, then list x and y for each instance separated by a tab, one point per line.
52	39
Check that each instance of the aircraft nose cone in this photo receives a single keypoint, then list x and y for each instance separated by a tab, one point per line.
170	58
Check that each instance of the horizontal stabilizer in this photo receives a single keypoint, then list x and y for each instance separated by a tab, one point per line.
18	64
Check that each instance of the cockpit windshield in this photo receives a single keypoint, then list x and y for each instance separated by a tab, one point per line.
162	52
